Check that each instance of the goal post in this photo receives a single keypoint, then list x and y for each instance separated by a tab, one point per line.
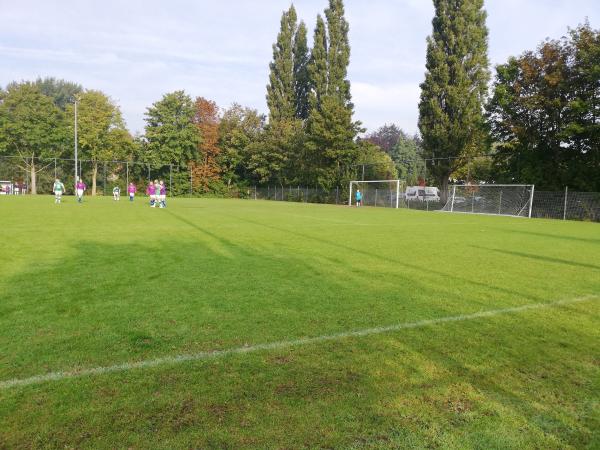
381	193
514	200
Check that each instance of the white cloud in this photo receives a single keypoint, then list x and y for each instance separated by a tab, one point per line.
138	50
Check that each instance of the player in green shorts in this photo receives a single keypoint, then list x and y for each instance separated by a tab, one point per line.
58	189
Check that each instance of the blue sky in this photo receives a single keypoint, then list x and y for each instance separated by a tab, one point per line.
136	50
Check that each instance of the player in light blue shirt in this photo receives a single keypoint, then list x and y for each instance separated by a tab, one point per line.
358	198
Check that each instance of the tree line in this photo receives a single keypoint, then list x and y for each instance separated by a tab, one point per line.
537	122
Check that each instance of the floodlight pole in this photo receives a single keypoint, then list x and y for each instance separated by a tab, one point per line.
76	179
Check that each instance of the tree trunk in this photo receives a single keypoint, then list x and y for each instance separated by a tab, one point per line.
94	176
444	189
33	177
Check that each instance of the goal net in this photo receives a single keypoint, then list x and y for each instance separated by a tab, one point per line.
495	199
382	193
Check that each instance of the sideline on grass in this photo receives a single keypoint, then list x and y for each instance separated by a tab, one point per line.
170	360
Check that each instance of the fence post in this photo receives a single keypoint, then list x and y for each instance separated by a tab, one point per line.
500	205
55	175
565	209
104	181
127	172
376	191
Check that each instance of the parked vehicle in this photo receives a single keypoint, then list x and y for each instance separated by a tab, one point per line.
422	193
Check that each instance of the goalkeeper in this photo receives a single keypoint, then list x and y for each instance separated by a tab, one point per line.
58	189
358	198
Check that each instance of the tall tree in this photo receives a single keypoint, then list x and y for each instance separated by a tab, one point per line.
281	94
31	126
101	131
239	129
454	91
301	76
330	127
172	137
206	170
545	114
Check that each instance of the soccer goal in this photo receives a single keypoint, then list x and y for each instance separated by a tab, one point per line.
382	193
495	199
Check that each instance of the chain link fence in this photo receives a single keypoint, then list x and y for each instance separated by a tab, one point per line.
22	175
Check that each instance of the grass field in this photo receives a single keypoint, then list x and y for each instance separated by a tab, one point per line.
106	285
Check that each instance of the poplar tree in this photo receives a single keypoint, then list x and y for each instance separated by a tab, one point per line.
331	129
454	91
301	77
281	95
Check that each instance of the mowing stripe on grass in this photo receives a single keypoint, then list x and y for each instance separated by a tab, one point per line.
170	360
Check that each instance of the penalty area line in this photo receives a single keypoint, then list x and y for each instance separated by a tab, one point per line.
202	356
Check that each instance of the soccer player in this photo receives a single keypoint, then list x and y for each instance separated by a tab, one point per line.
80	188
131	190
151	191
117	193
358	198
163	194
58	189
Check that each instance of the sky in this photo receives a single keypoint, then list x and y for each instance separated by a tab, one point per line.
137	50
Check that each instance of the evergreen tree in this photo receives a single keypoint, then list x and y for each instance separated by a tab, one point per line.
301	77
338	53
317	66
281	95
455	86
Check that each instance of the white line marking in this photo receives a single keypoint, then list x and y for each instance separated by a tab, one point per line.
170	360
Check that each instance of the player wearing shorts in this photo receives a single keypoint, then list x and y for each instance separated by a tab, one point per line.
358	198
117	193
151	191
58	189
80	188
131	190
163	194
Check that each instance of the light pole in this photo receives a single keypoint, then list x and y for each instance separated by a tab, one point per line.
76	179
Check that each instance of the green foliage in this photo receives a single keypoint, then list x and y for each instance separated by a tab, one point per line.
61	91
331	131
378	165
31	125
408	156
301	76
239	129
545	113
171	136
454	91
281	91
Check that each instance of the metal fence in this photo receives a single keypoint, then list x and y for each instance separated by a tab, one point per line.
565	205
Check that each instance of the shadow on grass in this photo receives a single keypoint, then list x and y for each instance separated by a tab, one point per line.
412	268
539	257
551	236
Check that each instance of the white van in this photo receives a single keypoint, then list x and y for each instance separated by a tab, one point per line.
422	194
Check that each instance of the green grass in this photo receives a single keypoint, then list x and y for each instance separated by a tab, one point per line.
102	283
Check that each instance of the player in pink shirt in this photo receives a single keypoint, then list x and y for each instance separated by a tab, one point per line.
80	188
131	190
151	191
